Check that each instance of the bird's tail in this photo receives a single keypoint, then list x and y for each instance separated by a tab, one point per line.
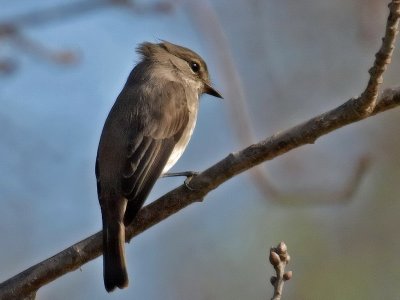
114	269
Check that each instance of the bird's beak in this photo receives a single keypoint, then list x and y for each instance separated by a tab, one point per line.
208	89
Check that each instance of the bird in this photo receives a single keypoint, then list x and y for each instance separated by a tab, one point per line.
145	133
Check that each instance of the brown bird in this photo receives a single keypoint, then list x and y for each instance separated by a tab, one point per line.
146	131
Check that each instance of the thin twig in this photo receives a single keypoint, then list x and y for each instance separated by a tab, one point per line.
366	103
279	258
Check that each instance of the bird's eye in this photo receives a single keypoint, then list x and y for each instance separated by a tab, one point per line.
194	66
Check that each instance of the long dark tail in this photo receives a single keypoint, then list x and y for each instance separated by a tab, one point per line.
114	268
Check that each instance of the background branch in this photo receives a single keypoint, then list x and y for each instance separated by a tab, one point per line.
322	196
12	29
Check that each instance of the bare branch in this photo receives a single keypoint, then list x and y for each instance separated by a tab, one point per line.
353	183
61	12
321	196
11	29
7	66
279	258
30	280
37	49
366	103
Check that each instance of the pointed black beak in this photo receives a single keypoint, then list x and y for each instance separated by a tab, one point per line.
208	89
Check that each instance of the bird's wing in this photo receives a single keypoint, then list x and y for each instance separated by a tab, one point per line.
152	143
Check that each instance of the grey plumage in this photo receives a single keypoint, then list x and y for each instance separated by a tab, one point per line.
145	133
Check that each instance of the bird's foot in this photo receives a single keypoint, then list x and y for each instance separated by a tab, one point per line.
188	174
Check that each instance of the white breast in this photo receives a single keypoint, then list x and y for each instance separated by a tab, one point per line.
184	140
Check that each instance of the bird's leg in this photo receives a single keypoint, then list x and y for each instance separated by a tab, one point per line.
188	174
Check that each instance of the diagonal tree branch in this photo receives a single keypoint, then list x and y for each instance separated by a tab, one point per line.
25	284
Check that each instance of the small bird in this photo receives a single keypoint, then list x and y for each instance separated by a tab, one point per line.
145	133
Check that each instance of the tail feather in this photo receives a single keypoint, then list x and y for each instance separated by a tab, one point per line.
114	269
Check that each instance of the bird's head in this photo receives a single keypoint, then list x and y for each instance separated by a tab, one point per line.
185	62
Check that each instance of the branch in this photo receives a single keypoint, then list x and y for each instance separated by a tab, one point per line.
74	9
34	47
366	103
12	28
30	280
318	196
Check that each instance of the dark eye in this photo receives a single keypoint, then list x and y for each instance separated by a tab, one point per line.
194	66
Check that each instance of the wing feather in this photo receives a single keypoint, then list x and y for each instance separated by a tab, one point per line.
150	148
138	137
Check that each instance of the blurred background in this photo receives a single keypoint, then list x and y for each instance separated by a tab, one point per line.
277	63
